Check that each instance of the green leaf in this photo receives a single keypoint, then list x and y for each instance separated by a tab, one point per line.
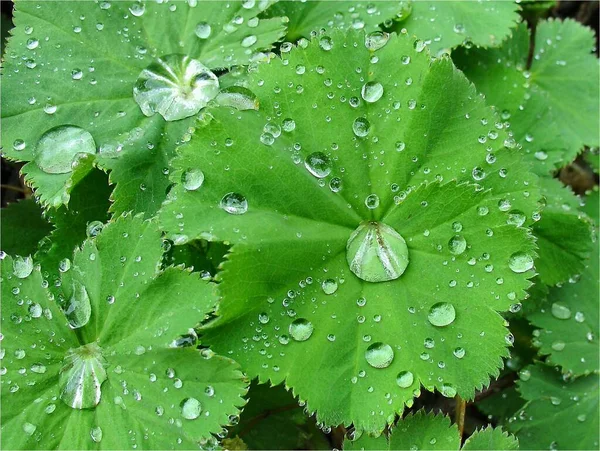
563	234
23	226
569	322
560	414
272	419
148	393
553	105
89	203
491	439
272	189
445	25
78	63
501	405
305	17
428	431
420	430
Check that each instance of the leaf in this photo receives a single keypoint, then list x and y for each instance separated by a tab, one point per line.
445	25
148	394
305	17
568	322
559	414
501	405
563	234
270	193
560	84
89	203
77	64
23	226
272	419
491	439
427	431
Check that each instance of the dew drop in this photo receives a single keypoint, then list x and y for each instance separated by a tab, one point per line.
192	179
361	127
560	311
81	376
22	266
96	434
60	147
190	408
329	286
175	86
448	390
441	314
376	40
238	97
301	329
457	244
79	308
372	201
520	262
318	164
372	91
234	204
375	252
405	379
379	355
203	30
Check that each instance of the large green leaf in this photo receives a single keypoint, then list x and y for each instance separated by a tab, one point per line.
432	432
77	63
125	314
445	25
307	17
23	226
289	264
559	414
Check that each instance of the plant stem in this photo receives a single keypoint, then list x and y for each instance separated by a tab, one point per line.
459	415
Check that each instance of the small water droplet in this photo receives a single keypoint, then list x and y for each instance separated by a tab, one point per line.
457	244
192	179
441	314
190	408
301	329
448	390
379	355
22	266
520	262
361	127
376	40
318	164
234	204
560	311
329	286
372	91
405	379
96	434
203	30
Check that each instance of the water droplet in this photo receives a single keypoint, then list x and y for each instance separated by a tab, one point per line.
459	353
29	428
94	228
318	164
192	179
372	201
249	41
361	127
60	147
79	308
516	218
96	434
38	368
329	286
405	379
520	262
448	390
176	86
301	329
457	244
22	266
560	311
203	30
190	408
234	204
558	345
137	9
238	97
81	376
375	252
372	91
335	184
325	43
379	355
441	314
376	40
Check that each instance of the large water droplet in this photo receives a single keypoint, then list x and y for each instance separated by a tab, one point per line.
375	252
405	379
96	434
176	86
190	408
441	314
379	355
318	164
361	127
560	311
79	308
448	390
301	329
81	376
238	97
60	147
234	204
203	30
520	262
376	40
372	91
22	266
457	244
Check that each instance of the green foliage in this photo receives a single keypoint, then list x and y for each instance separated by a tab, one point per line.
560	413
427	431
445	25
373	207
23	226
116	341
449	248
